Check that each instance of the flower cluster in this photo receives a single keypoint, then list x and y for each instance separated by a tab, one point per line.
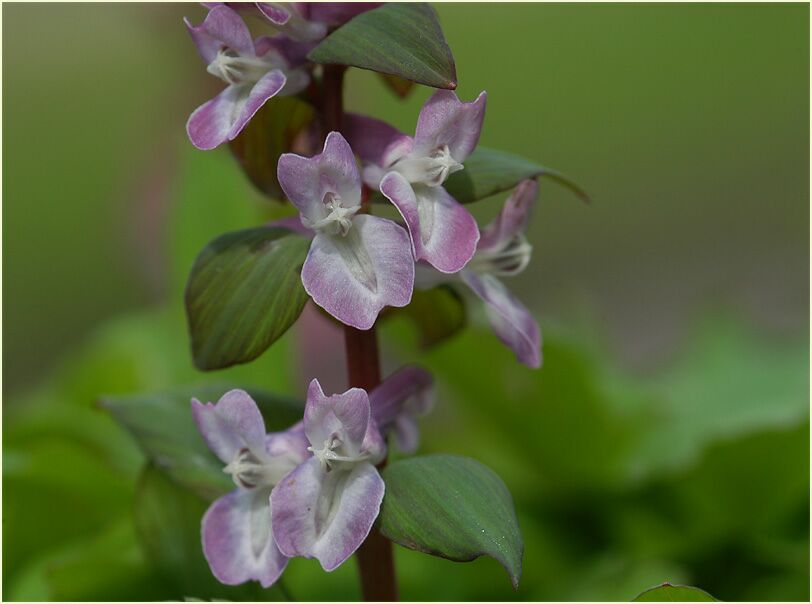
257	70
312	490
358	264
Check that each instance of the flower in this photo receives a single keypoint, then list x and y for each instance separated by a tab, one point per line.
290	19
503	251
411	171
399	400
325	508
357	263
236	530
255	71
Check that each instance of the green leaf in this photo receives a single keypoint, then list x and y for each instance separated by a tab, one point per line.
271	132
163	426
244	292
399	39
488	172
438	314
674	593
453	507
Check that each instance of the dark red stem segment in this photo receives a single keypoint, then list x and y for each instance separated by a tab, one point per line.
375	557
376	562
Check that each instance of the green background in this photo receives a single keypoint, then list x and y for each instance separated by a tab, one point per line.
667	436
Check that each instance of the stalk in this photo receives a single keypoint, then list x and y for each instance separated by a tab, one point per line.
376	563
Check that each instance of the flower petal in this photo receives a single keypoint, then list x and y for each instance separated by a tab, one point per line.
326	515
222	26
407	435
305	180
370	138
268	86
287	52
510	320
287	447
232	424
443	232
238	541
290	20
513	218
355	276
445	120
210	124
390	397
345	415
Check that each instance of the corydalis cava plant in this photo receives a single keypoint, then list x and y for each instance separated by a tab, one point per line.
317	489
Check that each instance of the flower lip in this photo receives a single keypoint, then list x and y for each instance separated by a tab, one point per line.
507	260
236	69
431	170
249	470
332	454
338	221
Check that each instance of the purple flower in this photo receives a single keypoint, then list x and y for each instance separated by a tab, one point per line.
290	19
411	171
325	508
357	263
236	531
502	251
399	401
255	71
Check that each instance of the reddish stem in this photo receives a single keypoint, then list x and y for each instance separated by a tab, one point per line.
376	562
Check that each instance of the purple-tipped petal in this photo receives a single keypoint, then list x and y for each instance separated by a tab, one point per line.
291	53
370	138
389	398
355	276
221	27
445	120
232	424
407	434
325	515
443	232
237	539
275	12
290	20
510	320
268	86
210	124
305	180
513	218
399	400
288	446
346	415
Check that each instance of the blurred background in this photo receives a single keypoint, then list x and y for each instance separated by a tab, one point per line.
666	437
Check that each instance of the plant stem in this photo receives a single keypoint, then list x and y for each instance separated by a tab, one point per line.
376	562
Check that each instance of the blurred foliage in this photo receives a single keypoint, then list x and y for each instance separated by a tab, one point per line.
670	116
698	475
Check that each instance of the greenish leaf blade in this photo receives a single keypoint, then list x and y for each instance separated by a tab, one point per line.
488	172
674	593
163	426
272	131
244	292
398	39
453	507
